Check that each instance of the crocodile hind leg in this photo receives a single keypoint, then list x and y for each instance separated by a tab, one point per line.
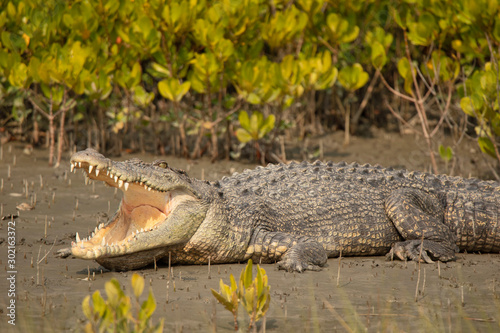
293	253
419	216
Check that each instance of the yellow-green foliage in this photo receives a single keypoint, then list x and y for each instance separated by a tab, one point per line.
255	51
120	313
253	294
255	127
483	103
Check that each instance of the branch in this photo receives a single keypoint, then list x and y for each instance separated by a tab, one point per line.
367	96
395	92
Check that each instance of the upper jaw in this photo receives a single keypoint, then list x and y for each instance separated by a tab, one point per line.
115	174
140	212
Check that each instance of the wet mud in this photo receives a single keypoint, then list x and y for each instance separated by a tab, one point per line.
350	294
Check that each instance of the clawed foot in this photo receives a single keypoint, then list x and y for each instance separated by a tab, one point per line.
422	251
304	256
290	265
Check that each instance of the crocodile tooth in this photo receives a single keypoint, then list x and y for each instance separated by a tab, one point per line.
107	172
96	172
126	186
100	226
92	234
120	183
91	167
145	187
142	229
79	164
116	179
103	242
71	167
149	188
87	179
77	237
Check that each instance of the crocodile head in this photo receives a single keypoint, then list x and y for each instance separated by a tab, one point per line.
161	207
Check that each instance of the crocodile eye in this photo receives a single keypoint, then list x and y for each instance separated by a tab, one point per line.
161	164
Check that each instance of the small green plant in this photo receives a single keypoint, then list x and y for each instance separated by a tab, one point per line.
253	294
115	314
254	128
446	154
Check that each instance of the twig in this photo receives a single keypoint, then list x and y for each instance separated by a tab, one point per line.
420	108
38	261
338	272
395	92
419	262
337	316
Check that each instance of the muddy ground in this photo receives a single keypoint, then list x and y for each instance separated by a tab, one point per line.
365	294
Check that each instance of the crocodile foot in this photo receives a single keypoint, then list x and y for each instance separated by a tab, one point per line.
304	256
422	250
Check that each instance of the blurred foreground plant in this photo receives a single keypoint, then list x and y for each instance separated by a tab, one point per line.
254	294
115	314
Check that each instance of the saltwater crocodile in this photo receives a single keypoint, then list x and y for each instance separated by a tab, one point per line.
295	214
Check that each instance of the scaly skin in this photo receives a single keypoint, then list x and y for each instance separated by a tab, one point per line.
297	215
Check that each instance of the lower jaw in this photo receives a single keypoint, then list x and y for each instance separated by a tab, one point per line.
136	260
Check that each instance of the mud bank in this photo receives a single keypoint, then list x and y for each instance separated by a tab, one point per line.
366	293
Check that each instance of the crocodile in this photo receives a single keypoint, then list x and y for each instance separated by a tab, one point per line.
296	214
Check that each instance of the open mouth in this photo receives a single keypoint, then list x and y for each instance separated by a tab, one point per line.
143	209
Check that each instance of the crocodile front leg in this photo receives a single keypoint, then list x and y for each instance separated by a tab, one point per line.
419	216
293	253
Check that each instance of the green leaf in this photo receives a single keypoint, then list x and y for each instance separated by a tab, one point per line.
378	56
182	90
496	31
244	120
19	75
472	105
148	307
446	153
99	304
87	310
160	71
267	126
137	284
246	274
141	97
243	136
405	70
253	98
166	90
113	291
222	300
255	122
135	74
487	146
353	77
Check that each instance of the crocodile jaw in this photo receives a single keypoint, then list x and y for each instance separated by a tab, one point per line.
138	224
